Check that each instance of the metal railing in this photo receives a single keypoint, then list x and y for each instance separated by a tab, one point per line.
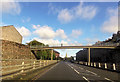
20	66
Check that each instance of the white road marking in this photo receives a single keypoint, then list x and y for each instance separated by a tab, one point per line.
86	79
71	67
91	72
109	79
76	71
81	68
35	78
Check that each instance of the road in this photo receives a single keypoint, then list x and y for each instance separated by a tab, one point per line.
71	71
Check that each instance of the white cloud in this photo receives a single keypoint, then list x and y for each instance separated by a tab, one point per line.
11	7
2	24
86	12
24	31
52	9
52	42
70	52
89	44
80	11
61	33
76	33
91	40
75	44
111	25
46	32
26	19
36	26
65	16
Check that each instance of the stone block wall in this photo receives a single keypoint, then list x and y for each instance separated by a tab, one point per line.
13	50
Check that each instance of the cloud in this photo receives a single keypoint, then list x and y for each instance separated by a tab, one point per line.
26	19
86	12
11	7
91	40
36	26
76	33
61	33
52	9
75	44
2	24
24	31
80	11
65	16
51	42
70	52
46	32
111	25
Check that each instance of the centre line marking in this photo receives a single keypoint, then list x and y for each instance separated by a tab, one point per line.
80	68
76	71
109	79
91	72
86	79
71	67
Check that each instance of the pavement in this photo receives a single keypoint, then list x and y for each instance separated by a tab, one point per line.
71	71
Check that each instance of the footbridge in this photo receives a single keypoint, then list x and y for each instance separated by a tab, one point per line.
35	48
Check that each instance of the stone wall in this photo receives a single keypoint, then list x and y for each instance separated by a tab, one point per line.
13	50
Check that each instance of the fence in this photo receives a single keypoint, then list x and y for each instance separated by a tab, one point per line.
10	67
107	66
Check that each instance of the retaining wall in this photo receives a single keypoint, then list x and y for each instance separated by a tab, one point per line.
13	50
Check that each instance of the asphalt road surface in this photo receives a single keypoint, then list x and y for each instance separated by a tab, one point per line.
71	71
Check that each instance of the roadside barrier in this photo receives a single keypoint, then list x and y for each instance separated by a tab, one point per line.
114	68
94	64
13	67
107	66
91	64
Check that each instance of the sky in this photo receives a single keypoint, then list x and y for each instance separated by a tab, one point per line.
67	23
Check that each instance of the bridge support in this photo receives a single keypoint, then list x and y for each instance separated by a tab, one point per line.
52	54
89	56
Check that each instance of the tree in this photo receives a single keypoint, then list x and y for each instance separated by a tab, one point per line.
54	56
41	54
34	43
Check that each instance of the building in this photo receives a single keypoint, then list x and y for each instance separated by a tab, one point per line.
57	54
10	33
114	41
102	55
